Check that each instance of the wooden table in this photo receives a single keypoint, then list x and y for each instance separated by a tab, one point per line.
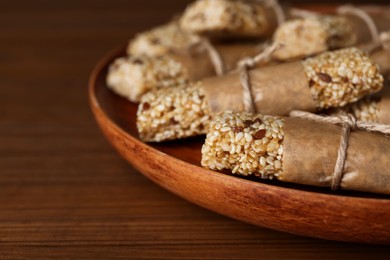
64	192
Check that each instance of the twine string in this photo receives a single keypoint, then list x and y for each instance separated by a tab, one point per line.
265	54
348	123
214	55
353	10
247	95
245	65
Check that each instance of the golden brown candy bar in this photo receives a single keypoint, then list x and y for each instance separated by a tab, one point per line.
318	33
373	108
328	80
172	113
296	150
246	144
131	77
162	40
307	36
231	19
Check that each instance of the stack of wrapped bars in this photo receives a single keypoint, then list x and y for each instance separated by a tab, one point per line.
187	73
237	29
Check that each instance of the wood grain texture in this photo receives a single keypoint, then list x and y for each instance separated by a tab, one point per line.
64	192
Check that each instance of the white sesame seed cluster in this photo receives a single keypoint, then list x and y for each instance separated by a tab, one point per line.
161	40
245	143
131	77
340	77
366	109
172	113
308	36
234	18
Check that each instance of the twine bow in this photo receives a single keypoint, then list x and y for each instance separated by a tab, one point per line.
348	123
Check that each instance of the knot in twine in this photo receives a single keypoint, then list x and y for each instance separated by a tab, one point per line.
248	63
348	123
353	10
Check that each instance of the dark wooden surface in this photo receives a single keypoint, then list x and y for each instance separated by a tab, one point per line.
64	192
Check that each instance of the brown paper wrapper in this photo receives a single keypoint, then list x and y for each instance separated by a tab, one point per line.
310	154
198	62
384	106
276	90
382	58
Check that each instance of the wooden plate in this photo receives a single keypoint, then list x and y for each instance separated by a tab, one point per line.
314	212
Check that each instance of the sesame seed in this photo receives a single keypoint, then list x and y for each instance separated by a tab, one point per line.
248	137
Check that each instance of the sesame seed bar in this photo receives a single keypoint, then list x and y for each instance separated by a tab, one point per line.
282	88
295	150
246	144
308	36
172	113
372	108
161	41
341	77
131	77
224	19
366	109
